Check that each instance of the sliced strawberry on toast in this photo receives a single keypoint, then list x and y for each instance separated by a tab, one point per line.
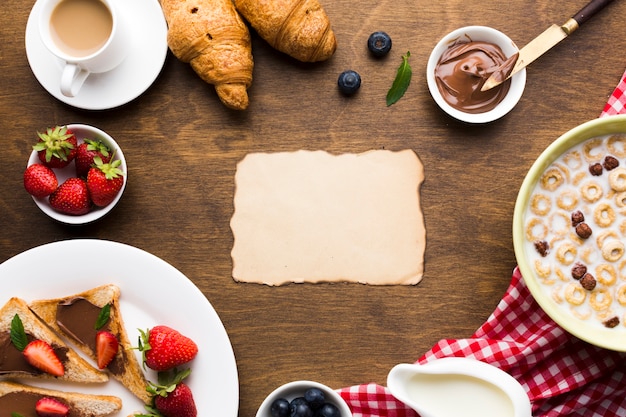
18	321
82	317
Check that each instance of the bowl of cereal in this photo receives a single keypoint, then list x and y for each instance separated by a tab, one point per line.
569	229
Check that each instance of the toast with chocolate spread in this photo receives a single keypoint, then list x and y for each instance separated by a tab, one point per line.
75	317
22	399
13	362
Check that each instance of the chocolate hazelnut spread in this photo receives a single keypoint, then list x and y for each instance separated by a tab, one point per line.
463	69
22	403
77	317
13	361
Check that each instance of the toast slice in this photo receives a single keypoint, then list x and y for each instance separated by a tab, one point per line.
15	365
21	398
75	317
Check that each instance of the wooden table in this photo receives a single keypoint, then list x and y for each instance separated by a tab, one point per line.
182	146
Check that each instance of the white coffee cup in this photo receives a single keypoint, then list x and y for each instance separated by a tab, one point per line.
89	36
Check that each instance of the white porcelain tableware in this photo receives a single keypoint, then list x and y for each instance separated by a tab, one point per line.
152	292
484	34
82	131
102	54
456	386
296	389
147	43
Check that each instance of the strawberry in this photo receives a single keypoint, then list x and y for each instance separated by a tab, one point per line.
50	407
57	147
106	348
41	355
178	403
40	181
72	197
171	396
86	153
104	181
164	348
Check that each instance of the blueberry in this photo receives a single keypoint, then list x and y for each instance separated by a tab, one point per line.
379	44
280	408
328	410
301	409
349	82
315	398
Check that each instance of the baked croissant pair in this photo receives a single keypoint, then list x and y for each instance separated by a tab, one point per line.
211	36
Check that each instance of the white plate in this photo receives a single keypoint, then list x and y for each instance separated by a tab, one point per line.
152	292
121	85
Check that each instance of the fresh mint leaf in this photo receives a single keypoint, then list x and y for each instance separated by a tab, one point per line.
401	82
16	415
103	317
18	335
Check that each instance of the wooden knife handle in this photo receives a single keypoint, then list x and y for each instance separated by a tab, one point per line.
589	10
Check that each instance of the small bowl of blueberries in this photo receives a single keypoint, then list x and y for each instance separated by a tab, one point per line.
304	399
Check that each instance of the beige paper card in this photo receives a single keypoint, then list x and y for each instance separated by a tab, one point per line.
309	216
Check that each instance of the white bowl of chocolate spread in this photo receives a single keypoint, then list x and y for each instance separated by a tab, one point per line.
460	64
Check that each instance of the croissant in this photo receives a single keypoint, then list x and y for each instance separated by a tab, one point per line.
211	36
299	28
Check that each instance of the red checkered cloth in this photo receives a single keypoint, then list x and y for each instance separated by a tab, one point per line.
562	375
617	102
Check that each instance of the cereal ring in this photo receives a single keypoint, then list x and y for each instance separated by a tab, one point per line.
580	314
536	230
592	149
605	235
620	200
566	253
542	270
617	179
562	276
556	295
604	215
574	294
613	250
552	179
560	223
589	255
567	200
541	204
621	295
573	160
591	191
606	274
621	270
600	299
579	177
617	145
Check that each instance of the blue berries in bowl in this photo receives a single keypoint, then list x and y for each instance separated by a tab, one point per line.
304	399
349	82
379	44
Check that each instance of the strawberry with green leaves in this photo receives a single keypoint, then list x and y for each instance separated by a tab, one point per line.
171	396
39	180
56	147
72	197
164	348
86	153
104	181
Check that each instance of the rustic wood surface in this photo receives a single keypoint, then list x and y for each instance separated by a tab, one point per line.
182	148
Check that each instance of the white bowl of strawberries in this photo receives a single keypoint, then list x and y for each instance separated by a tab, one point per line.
76	173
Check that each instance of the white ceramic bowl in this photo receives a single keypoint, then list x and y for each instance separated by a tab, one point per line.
485	34
587	330
296	389
82	132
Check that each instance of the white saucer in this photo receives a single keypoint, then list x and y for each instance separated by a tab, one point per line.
121	85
